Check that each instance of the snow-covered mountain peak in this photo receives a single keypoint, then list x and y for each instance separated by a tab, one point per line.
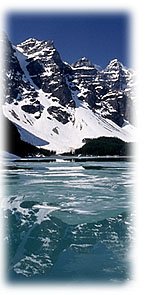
83	62
32	46
29	41
114	65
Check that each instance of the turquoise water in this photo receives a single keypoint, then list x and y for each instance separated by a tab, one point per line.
68	220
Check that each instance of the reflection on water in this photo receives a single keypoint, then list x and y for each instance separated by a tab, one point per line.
68	220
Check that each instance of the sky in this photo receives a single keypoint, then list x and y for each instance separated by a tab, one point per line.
99	37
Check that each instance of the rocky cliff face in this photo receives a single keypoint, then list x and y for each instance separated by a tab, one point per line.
51	99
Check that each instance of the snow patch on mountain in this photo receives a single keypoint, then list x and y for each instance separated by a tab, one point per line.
69	136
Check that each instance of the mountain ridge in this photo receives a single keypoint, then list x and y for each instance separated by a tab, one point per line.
61	103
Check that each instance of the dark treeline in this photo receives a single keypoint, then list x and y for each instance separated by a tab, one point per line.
105	146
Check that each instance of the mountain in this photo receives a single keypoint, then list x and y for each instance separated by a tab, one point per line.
56	106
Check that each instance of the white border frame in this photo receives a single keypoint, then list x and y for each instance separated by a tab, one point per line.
137	50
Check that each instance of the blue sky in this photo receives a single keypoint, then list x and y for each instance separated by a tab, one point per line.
99	37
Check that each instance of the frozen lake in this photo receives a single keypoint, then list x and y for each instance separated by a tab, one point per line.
68	220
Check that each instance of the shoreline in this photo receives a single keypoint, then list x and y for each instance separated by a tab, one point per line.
77	159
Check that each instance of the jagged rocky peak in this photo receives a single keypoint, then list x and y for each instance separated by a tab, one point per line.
83	62
16	85
32	45
44	51
44	65
114	65
8	49
30	41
